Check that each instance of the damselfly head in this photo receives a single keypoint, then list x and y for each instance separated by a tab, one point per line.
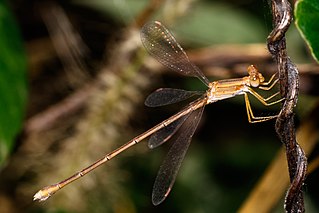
255	77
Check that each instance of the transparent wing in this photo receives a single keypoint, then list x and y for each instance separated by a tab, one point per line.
168	171
164	134
162	45
166	96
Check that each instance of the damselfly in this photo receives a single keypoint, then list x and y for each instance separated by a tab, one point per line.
161	44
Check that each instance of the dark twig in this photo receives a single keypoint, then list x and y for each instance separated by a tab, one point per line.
289	86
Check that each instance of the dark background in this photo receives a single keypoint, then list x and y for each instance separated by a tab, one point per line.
227	155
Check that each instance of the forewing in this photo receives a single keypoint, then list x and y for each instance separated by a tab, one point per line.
168	171
166	96
162	45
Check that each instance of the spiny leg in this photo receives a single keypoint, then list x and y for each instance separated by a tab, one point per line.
266	85
272	96
250	115
264	100
269	82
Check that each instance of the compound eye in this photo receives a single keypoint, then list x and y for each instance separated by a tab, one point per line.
254	81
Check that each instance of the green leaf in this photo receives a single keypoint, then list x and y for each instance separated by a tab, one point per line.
13	86
307	21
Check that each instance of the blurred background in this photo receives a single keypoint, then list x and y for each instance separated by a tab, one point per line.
80	77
